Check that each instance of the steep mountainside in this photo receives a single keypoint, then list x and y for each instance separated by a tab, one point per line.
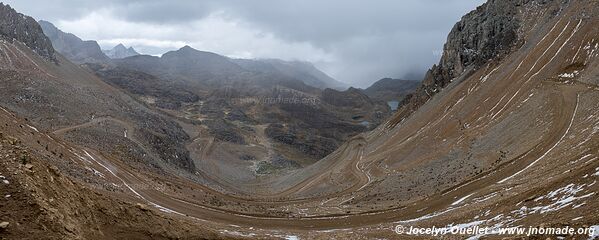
259	123
50	113
502	133
14	25
72	47
154	90
120	51
489	32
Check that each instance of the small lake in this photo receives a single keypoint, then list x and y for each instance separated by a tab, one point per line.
393	105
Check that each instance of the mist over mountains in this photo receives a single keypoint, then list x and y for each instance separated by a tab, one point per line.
502	134
362	43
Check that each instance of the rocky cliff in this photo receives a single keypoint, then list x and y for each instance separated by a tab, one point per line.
487	33
16	26
72	47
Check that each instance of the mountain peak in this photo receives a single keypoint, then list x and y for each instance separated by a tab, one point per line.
187	48
120	51
190	52
26	30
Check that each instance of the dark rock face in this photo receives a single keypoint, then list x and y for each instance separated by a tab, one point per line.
224	131
16	26
489	32
72	47
238	115
169	96
306	142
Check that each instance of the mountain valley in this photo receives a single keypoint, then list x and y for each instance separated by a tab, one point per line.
502	132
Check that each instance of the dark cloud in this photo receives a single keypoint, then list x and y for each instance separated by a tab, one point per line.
364	40
161	12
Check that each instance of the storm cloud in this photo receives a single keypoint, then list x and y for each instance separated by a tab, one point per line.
357	42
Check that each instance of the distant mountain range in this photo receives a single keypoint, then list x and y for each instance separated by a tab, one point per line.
192	65
120	51
232	100
186	61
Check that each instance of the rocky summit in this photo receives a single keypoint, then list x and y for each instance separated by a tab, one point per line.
16	26
120	51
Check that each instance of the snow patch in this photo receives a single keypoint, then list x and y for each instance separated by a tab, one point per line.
461	200
428	216
559	199
465	225
33	128
569	75
96	172
594	232
236	233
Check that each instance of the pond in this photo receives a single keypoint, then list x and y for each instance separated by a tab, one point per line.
393	105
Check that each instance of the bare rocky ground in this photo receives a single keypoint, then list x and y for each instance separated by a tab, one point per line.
504	141
252	125
40	202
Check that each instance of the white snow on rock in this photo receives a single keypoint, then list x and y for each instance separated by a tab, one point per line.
559	199
236	233
569	75
594	232
428	216
461	200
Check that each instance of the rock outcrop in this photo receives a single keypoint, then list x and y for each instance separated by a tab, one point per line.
16	26
120	51
489	32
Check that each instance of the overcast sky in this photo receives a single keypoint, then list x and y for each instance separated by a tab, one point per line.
354	41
